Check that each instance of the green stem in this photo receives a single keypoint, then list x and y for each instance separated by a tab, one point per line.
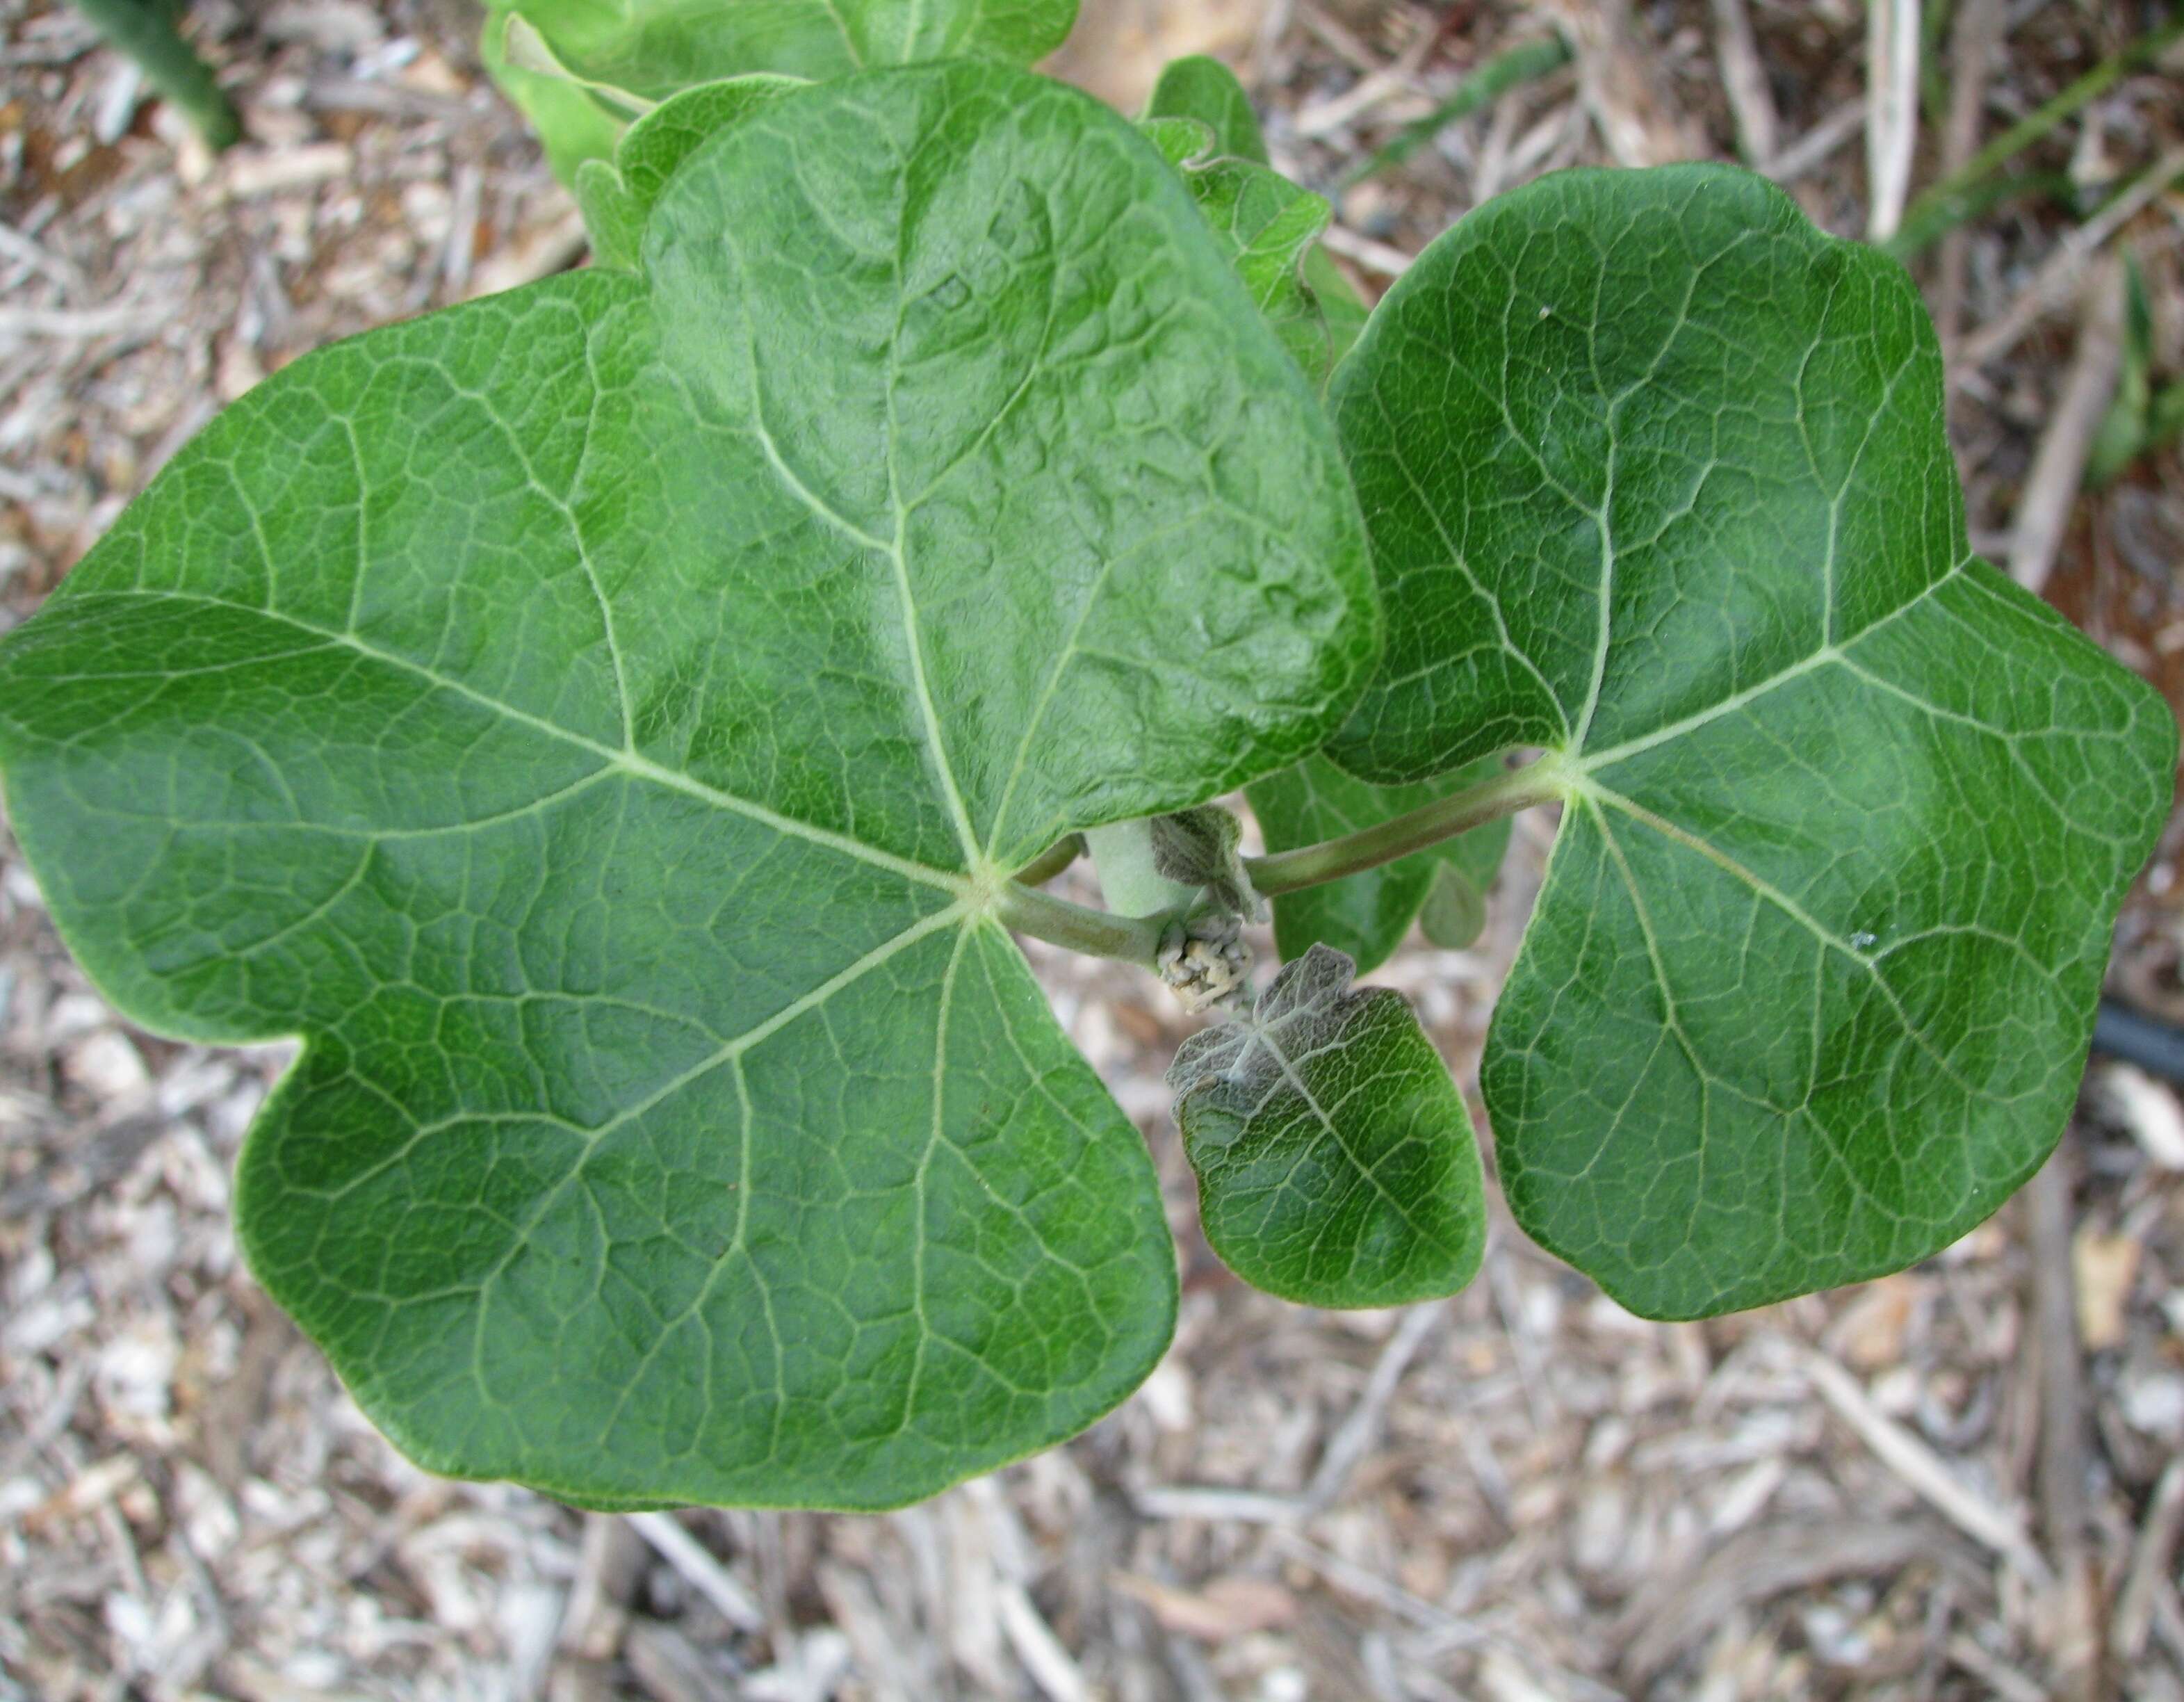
1096	933
145	30
1050	861
1413	831
1927	217
1483	87
1136	938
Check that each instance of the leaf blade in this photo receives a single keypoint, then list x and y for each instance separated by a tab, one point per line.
1703	541
488	701
1335	1161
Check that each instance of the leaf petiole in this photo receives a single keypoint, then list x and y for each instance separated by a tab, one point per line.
1539	783
1136	938
1097	932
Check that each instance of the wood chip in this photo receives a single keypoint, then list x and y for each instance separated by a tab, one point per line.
1223	1609
695	1562
1919	1466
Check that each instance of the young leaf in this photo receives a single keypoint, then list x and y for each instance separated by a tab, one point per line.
1336	1164
1202	848
615	58
573	124
1271	226
1454	914
1366	915
1340	306
1180	140
1658	480
1202	88
617	198
598	719
1268	225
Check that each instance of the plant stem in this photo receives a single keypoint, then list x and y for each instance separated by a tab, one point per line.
1398	836
1050	861
145	30
1136	938
1126	938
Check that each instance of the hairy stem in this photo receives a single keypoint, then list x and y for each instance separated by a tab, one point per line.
1414	830
145	30
1127	938
1050	861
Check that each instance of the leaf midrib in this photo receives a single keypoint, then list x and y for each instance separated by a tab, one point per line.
626	761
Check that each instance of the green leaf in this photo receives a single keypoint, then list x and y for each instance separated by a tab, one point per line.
1339	304
613	220
573	124
1203	848
1657	481
617	199
1336	1164
1366	915
1271	224
1180	140
1198	88
1454	914
1268	226
599	719
606	60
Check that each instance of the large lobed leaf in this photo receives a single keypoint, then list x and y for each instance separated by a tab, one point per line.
598	719
1657	481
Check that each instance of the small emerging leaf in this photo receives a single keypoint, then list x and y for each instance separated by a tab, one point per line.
1271	226
1336	1164
1202	88
1366	915
1203	848
1180	140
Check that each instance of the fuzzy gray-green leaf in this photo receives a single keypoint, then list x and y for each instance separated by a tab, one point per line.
1336	1162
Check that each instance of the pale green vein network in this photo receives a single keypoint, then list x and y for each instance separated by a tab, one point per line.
1649	446
530	709
611	758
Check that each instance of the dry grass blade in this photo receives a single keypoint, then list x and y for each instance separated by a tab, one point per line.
1811	150
699	1570
1974	38
2058	468
1744	80
1620	81
2059	273
2074	1627
1891	112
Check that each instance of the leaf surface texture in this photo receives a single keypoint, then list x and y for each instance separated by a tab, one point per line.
598	718
1659	482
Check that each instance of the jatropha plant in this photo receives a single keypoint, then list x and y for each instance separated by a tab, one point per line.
618	725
